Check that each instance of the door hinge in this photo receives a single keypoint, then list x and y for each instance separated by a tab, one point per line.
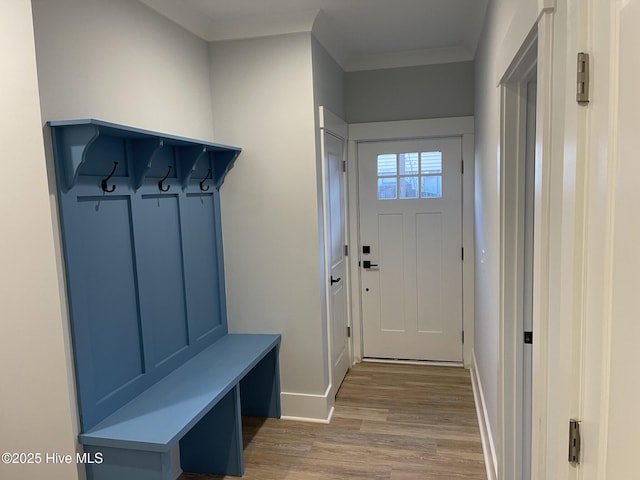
344	165
574	442
463	337
528	337
582	93
462	167
348	332
463	254
346	250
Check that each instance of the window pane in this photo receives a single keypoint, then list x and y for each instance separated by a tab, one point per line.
408	163
430	162
431	187
387	188
387	165
409	187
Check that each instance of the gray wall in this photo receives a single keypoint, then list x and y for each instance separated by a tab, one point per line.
328	80
409	93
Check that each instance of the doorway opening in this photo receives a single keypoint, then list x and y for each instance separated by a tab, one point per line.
410	211
412	174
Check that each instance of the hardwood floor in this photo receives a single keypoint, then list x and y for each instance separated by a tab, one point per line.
391	422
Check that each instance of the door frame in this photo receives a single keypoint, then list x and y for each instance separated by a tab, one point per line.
512	269
558	290
334	125
462	127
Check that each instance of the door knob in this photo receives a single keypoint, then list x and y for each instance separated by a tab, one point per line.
335	280
368	264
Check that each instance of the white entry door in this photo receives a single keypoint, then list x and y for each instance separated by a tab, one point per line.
410	201
334	148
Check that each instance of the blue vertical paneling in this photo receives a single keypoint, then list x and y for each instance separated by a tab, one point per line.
201	266
104	308
160	272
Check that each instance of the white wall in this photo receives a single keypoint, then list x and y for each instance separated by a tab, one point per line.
511	19
263	101
37	402
121	62
487	205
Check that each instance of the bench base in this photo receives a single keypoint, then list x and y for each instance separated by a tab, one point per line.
212	445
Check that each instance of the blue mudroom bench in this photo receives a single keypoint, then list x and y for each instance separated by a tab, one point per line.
155	365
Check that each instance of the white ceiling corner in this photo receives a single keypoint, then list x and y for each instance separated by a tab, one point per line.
264	25
359	34
188	18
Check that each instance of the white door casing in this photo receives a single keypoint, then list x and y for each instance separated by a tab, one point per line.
411	301
517	246
528	218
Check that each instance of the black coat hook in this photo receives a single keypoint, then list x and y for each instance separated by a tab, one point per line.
160	186
103	184
204	180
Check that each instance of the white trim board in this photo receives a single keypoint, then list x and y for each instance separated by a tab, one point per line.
333	123
488	447
426	363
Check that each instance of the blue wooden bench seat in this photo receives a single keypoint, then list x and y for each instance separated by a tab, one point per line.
199	405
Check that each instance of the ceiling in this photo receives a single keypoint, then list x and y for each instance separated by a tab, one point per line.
360	34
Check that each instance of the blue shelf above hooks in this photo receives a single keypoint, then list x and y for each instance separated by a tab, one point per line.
75	141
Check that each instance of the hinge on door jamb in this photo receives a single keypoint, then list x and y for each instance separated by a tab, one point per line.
582	93
348	332
462	167
346	250
344	165
463	254
574	442
463	337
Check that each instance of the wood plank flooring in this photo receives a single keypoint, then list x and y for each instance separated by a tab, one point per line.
391	422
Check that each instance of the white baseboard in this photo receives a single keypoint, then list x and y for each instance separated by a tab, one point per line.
430	363
307	407
488	447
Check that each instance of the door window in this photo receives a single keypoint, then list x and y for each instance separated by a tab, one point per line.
409	175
